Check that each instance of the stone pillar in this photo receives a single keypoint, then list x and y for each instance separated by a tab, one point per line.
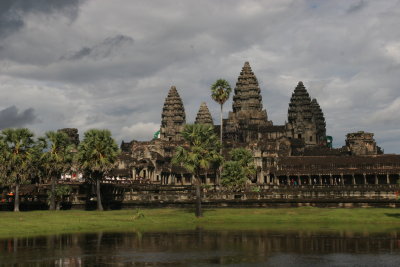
365	178
376	179
353	179
207	179
341	179
309	180
134	173
298	180
387	179
320	179
260	178
330	179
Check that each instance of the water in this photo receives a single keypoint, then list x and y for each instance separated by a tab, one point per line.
205	248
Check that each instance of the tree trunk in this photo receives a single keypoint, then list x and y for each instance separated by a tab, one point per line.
198	199
99	205
53	192
218	176
16	198
221	131
58	205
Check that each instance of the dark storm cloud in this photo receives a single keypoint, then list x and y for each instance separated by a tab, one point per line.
101	50
11	117
13	11
89	72
357	6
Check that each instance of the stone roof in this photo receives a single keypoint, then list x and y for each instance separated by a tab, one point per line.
300	104
319	117
247	102
173	111
247	91
204	115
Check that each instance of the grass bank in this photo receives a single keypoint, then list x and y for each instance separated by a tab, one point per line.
282	219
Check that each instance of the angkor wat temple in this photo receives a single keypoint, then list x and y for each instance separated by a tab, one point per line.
299	150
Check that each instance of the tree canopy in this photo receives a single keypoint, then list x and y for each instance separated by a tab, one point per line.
199	154
56	158
239	169
97	155
17	147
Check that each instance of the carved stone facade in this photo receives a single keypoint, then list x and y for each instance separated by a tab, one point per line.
361	143
173	117
204	115
279	150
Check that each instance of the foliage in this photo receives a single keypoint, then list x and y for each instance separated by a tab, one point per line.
200	153
18	150
220	91
60	191
256	189
202	150
97	155
239	170
57	158
233	175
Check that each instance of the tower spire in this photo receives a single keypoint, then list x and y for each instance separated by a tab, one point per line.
247	91
204	115
173	116
247	101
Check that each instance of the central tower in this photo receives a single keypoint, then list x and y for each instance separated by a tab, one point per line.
247	109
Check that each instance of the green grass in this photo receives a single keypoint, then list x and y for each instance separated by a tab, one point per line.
281	219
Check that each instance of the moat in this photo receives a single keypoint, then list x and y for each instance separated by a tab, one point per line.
207	248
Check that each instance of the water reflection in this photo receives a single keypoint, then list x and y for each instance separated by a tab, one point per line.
200	247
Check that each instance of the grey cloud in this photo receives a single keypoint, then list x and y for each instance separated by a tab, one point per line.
13	11
12	117
346	52
357	6
102	50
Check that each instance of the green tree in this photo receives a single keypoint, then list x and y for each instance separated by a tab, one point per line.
58	194
97	155
233	175
200	152
57	159
239	169
18	156
220	92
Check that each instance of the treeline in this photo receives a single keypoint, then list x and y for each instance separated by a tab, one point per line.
25	159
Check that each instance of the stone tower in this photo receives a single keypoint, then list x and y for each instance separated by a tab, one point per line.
173	117
319	121
248	115
301	123
247	101
204	115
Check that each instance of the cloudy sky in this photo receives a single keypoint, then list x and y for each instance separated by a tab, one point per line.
109	64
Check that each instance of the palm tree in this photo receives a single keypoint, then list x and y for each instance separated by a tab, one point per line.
220	92
97	155
199	154
57	159
18	155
